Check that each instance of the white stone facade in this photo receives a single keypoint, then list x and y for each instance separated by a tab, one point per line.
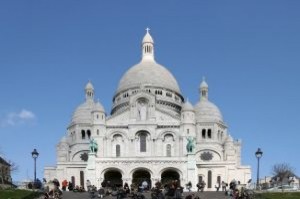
145	135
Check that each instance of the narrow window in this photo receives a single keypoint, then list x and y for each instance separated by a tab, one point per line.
188	131
83	134
203	133
118	150
143	142
97	131
81	178
89	134
168	150
209	133
209	179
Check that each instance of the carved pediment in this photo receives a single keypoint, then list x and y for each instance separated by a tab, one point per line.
120	119
165	118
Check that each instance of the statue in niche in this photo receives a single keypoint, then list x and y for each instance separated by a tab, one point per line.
142	110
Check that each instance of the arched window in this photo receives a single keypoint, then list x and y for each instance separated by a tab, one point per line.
209	179
118	150
97	131
169	150
89	134
83	134
203	133
209	133
143	143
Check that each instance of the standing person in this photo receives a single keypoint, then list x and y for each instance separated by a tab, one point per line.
144	185
189	186
64	185
88	185
217	186
198	186
223	184
70	186
202	185
126	188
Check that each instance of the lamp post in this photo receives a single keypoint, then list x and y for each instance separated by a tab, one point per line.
35	155
258	155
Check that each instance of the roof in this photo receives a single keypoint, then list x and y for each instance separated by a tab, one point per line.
3	161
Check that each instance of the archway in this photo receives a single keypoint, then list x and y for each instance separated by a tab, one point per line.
114	178
139	176
168	176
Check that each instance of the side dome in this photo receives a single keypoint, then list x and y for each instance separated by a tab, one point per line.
82	114
187	106
206	111
98	107
148	73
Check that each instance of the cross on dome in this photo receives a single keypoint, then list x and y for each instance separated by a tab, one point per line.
147	29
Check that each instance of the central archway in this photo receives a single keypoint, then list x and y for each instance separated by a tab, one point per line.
139	176
114	177
168	176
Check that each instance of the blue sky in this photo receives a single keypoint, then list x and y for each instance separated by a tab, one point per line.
247	50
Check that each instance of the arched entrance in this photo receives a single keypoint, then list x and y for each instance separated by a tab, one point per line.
139	176
114	178
168	176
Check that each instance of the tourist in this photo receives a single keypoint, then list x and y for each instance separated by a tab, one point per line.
88	185
217	186
189	186
202	185
144	185
223	184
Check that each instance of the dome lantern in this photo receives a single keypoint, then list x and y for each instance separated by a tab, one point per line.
89	91
147	47
203	90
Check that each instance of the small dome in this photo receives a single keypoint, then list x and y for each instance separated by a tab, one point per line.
148	73
98	107
89	86
203	84
64	139
82	114
208	112
187	106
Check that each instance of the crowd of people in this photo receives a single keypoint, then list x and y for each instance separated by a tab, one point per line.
170	190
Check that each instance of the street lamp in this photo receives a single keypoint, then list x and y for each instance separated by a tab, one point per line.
258	155
35	155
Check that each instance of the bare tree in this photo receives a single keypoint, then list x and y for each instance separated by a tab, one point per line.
282	172
13	166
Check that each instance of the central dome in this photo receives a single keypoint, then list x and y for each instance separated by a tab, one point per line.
148	72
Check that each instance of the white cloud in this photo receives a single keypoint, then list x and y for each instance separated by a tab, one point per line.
17	118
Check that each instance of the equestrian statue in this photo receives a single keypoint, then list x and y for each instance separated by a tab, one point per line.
93	146
190	146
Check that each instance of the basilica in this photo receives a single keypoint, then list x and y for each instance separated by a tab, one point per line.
152	133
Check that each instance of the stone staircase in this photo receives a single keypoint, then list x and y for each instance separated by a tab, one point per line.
202	195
